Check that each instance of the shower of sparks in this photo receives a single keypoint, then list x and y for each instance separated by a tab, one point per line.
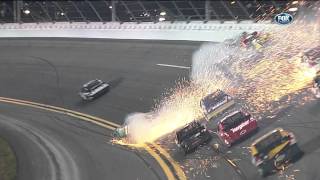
278	72
171	113
264	81
283	175
197	167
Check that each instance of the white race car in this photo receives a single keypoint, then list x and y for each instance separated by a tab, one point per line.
93	89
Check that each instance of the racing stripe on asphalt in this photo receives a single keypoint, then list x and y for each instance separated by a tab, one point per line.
163	158
174	167
162	162
174	66
86	117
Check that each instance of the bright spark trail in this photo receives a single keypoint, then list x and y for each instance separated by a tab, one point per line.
260	79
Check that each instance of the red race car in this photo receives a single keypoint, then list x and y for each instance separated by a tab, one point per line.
235	126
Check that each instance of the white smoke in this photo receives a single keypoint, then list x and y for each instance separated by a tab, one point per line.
210	61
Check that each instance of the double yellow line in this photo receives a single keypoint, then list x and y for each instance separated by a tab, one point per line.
168	165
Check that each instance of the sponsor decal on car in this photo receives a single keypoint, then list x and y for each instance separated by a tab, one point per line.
238	128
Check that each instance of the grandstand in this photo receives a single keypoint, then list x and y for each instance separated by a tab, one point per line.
143	11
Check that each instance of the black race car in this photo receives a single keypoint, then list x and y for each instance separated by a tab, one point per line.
93	89
192	136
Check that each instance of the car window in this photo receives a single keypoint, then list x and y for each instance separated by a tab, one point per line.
84	89
93	84
213	100
188	131
269	142
233	121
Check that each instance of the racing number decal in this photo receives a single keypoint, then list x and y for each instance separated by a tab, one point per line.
243	132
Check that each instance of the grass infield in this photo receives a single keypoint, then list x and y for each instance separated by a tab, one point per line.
7	161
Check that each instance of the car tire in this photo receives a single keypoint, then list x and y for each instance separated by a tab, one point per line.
281	160
228	145
186	150
295	152
262	172
265	169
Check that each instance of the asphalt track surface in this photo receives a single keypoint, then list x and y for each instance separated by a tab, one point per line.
54	146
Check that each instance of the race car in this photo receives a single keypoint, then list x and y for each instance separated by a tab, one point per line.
274	150
93	89
235	126
247	38
192	136
311	58
255	39
316	85
120	132
232	42
216	103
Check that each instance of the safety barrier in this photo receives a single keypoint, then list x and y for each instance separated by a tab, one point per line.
192	31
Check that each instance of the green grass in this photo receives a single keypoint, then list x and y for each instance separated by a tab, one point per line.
7	161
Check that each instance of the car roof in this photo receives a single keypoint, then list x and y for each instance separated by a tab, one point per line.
231	119
229	116
267	135
213	98
189	126
313	51
92	83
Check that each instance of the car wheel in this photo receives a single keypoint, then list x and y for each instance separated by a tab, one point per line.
262	172
228	144
281	161
295	152
186	151
265	169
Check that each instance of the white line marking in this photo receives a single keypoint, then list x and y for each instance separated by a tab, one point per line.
169	65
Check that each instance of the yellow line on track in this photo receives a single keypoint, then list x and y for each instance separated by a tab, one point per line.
106	124
232	163
175	165
162	164
60	110
57	111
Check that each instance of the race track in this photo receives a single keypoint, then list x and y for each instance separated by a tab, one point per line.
55	146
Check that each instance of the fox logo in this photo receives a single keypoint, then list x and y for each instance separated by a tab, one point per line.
283	18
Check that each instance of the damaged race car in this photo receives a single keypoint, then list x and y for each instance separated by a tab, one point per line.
316	85
120	132
236	126
311	58
256	40
192	136
274	150
216	103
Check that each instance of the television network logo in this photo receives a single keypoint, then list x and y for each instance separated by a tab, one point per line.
283	18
